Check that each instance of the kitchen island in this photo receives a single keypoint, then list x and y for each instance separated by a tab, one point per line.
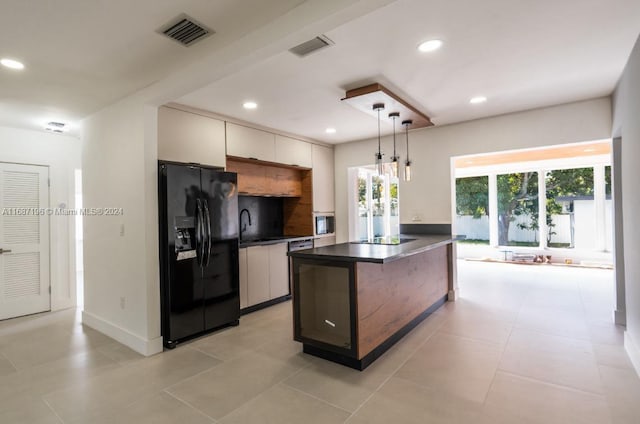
353	301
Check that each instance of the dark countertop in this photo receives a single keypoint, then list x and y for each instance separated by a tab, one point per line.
377	253
272	240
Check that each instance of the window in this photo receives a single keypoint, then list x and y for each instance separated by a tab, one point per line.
570	208
518	209
375	211
577	209
472	209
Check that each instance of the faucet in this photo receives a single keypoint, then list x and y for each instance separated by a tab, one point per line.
244	228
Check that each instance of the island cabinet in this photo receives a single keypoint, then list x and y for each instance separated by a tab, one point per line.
352	302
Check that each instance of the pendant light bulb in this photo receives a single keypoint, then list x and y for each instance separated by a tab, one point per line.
407	163
407	170
395	158
379	165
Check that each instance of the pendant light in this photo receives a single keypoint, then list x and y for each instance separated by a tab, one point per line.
379	166
395	157
407	163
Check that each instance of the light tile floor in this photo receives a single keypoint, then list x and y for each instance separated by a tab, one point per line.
523	344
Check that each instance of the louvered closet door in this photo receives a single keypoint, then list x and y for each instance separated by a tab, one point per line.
24	240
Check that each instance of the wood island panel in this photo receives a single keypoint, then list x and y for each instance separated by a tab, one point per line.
391	295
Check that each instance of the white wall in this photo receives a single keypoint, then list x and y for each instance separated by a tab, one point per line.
119	157
62	155
428	196
626	110
122	293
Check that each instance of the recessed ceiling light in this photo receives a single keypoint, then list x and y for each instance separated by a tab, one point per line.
429	46
250	105
10	63
330	130
478	99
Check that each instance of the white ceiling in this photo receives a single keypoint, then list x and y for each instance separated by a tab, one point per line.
82	55
520	54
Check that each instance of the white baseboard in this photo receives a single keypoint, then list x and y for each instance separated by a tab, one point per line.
620	317
142	346
633	351
453	295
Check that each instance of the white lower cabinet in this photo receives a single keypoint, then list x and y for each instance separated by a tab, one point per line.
257	274
242	260
264	273
278	270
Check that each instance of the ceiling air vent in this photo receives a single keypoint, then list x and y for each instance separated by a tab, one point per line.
57	127
313	45
185	30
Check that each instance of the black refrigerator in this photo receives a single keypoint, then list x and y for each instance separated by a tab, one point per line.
199	274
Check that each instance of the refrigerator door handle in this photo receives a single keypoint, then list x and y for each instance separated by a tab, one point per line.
207	249
199	233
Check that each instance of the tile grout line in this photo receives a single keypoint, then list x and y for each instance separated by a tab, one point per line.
474	339
10	362
207	353
556	385
189	405
495	372
166	389
192	376
606	395
52	410
413	352
313	396
268	388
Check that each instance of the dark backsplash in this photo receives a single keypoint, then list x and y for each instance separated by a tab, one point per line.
266	217
425	229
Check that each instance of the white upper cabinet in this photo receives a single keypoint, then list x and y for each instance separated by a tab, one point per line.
191	138
293	152
323	179
248	142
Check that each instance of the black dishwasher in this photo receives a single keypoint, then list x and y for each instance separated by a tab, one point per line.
300	244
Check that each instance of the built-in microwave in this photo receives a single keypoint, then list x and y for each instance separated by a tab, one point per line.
325	224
